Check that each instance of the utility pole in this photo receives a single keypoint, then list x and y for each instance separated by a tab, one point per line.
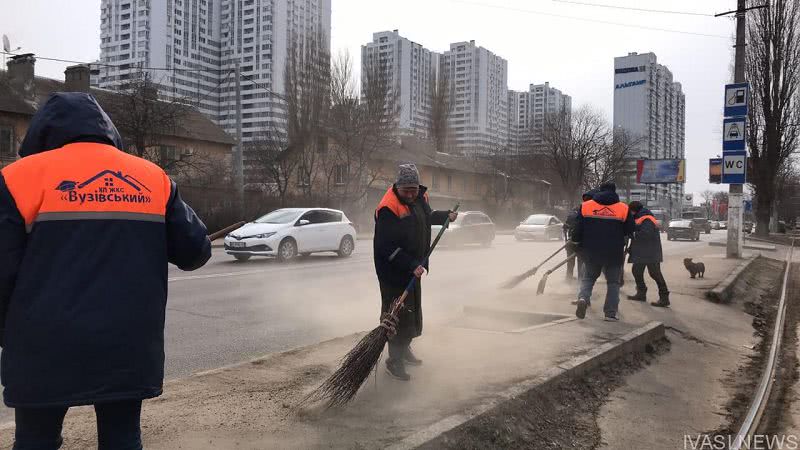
736	191
238	154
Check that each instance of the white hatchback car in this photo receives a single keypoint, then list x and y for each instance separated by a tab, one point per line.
540	226
286	233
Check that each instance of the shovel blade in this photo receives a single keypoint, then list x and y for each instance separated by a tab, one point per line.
542	284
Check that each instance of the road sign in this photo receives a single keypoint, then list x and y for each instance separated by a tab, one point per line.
733	133
736	96
734	167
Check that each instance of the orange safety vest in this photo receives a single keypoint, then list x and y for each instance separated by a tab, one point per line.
391	201
641	220
87	181
593	210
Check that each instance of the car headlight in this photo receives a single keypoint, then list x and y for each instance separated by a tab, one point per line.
260	236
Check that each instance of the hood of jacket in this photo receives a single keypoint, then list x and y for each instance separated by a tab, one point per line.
65	118
643	212
606	197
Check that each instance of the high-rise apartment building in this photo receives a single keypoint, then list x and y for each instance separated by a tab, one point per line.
651	107
528	111
189	48
478	78
411	69
545	100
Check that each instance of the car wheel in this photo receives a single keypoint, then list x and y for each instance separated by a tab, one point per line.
346	247
241	257
287	250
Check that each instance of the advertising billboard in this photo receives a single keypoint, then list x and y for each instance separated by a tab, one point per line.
715	170
661	171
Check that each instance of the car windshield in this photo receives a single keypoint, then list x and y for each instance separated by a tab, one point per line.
537	219
280	216
680	223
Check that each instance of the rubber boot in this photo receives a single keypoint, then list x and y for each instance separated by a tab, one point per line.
640	296
663	300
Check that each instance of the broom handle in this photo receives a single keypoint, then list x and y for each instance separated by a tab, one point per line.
548	258
410	286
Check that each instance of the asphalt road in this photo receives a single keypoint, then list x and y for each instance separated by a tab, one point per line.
232	311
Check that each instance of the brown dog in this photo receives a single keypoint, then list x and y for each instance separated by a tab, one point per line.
694	268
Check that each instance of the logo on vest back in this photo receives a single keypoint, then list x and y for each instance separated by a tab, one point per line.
605	212
105	187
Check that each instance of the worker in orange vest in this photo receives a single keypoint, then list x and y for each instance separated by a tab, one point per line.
645	252
86	234
601	229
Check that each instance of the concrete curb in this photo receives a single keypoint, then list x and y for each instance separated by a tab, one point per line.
634	341
722	291
768	248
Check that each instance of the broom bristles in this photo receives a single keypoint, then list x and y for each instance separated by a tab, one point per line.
355	368
513	282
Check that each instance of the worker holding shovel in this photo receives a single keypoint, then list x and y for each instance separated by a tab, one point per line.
403	222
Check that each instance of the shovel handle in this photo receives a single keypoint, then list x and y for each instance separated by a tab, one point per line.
553	269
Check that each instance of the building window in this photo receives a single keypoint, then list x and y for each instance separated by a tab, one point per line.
168	155
449	183
6	141
434	181
340	174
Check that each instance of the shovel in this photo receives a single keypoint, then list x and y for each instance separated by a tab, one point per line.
543	281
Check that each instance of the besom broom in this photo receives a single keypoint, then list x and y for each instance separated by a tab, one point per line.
357	364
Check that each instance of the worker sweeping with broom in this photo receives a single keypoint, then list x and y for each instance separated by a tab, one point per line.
402	238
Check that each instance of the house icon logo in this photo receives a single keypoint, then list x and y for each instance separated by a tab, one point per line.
107	186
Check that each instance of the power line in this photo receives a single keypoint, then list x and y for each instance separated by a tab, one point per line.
130	66
583	19
661	11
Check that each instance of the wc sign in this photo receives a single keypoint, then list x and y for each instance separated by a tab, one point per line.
734	167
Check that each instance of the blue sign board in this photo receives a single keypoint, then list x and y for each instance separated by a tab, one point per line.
733	134
736	96
734	167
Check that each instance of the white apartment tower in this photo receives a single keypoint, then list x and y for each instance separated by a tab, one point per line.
527	113
412	69
651	106
479	98
545	100
190	48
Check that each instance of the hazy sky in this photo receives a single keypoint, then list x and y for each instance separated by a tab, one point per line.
543	40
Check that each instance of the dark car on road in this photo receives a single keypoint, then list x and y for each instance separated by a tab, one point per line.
682	229
471	227
702	224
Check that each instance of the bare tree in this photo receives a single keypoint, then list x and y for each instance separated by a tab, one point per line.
358	127
572	143
614	158
144	120
773	70
708	197
307	98
271	167
441	108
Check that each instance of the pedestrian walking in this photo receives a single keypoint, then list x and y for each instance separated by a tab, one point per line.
86	234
